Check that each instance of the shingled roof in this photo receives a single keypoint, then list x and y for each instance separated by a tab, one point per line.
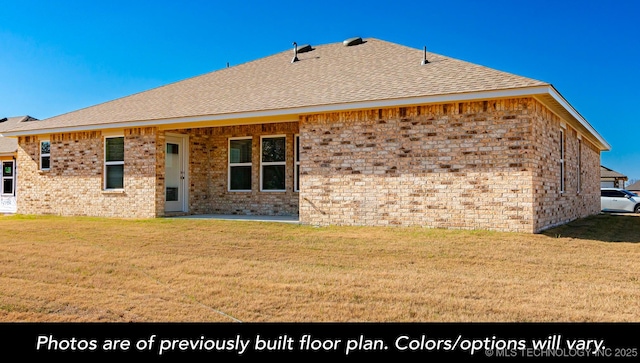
10	145
329	77
634	186
610	173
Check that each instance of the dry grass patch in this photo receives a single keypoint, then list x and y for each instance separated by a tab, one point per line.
89	269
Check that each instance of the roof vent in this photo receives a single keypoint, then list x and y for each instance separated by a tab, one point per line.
352	41
424	59
295	52
305	48
3	119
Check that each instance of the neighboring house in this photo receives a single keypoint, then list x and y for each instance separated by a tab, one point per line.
635	187
8	155
611	179
361	132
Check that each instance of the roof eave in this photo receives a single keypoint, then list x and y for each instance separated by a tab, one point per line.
563	109
546	94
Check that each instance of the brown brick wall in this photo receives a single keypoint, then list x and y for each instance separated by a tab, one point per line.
208	163
550	205
473	165
74	185
464	165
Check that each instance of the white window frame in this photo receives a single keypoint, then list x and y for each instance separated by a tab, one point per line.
12	177
230	164
579	187
296	171
272	163
44	155
109	163
562	161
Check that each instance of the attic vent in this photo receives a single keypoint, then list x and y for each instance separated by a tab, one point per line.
352	41
305	48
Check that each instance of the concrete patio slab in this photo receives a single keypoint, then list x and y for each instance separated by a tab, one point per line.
229	217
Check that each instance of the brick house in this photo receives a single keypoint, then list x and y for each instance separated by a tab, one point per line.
8	156
610	178
361	132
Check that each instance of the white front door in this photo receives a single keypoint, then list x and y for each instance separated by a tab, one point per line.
8	187
175	174
8	178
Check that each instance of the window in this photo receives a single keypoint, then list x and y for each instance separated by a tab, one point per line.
579	165
45	155
240	164
114	162
273	163
8	178
562	171
612	193
297	163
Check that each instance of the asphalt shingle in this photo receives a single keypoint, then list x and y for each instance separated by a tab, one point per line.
10	145
330	74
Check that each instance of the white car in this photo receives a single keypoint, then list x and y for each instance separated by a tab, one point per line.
619	200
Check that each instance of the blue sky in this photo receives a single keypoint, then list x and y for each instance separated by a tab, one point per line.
59	56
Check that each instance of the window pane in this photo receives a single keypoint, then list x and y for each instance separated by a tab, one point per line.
240	178
172	148
45	162
297	177
171	194
273	177
172	173
45	147
7	186
297	148
115	176
114	149
273	149
240	151
7	169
